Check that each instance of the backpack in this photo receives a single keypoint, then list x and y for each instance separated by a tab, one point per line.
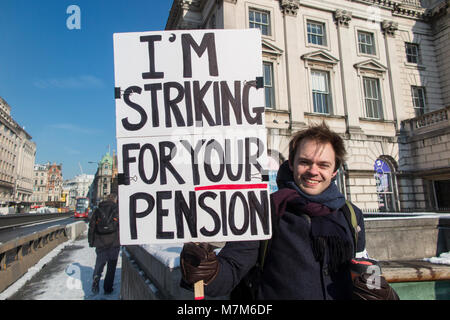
107	222
248	286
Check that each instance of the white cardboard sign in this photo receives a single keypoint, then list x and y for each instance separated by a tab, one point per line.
191	137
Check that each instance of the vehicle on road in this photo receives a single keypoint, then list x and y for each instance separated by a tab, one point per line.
82	208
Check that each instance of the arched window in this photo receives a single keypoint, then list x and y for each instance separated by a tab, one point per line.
385	185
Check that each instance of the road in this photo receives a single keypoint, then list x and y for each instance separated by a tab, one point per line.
17	232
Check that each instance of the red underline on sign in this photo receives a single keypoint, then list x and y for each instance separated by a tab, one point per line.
232	186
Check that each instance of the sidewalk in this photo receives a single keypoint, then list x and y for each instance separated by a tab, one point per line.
64	274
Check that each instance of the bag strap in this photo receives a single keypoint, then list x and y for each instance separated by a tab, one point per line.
264	245
350	216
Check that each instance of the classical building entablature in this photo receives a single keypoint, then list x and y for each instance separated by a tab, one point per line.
408	8
271	51
371	66
319	57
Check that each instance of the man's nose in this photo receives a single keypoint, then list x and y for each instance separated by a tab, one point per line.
313	169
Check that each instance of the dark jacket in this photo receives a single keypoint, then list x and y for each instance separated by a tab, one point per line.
103	240
290	270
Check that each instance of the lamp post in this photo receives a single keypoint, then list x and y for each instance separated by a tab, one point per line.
94	188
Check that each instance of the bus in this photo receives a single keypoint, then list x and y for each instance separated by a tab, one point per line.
82	208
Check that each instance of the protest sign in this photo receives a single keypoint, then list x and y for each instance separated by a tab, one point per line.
191	137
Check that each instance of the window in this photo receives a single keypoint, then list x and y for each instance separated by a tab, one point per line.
316	33
366	43
385	190
269	90
442	190
418	97
412	52
261	20
372	98
320	91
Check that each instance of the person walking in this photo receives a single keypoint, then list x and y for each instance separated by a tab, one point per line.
103	234
312	245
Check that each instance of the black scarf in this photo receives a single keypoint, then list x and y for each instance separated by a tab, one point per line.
327	231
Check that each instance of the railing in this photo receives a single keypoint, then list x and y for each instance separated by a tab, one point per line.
392	3
406	211
18	255
430	121
415	3
432	118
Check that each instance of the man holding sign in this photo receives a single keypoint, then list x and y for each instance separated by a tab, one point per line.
310	254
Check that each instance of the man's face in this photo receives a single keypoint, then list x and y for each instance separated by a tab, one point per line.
313	166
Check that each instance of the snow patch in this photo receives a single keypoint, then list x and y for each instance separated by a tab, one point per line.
168	254
444	258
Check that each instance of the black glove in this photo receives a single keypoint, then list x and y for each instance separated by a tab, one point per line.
198	262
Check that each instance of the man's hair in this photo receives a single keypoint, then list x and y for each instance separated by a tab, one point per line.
322	134
112	197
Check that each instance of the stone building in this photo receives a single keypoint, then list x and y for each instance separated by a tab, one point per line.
105	181
48	185
17	156
54	182
40	192
79	186
371	69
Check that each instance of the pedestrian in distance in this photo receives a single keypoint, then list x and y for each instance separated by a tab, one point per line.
103	234
313	244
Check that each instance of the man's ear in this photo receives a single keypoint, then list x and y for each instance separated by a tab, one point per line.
334	174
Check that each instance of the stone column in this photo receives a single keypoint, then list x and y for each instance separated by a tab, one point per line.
342	19
297	101
389	28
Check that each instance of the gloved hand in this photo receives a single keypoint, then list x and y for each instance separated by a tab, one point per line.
364	288
198	262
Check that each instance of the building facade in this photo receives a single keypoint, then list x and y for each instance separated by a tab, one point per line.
366	68
17	156
54	183
105	181
40	192
79	186
48	185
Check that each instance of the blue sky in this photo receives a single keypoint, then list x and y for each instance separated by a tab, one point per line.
60	82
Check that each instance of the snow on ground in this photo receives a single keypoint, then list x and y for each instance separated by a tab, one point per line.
64	274
444	258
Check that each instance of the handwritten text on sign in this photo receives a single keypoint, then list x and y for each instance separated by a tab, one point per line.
191	136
